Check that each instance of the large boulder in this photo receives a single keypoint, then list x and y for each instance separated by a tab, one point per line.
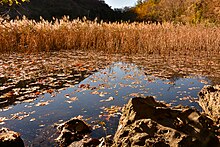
145	122
10	138
71	131
209	100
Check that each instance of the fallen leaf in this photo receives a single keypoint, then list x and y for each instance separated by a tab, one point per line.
33	119
108	100
43	103
70	100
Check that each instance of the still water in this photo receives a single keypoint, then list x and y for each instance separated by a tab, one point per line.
111	87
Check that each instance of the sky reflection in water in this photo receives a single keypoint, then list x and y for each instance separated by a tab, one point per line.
120	80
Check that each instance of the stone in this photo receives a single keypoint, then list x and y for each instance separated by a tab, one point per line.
209	100
146	122
106	141
10	138
72	130
87	141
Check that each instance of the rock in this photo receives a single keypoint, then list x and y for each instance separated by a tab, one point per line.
145	122
106	141
93	142
209	100
72	130
10	138
87	141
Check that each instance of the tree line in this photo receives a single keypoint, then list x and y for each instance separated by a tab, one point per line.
191	11
184	11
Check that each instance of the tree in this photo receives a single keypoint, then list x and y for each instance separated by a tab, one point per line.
11	2
192	11
7	5
139	2
148	10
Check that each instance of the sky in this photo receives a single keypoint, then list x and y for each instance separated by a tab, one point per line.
120	3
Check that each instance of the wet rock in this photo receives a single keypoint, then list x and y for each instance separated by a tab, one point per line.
72	130
87	141
10	138
106	141
209	100
145	122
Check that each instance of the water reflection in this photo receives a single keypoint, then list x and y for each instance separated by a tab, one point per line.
14	92
112	86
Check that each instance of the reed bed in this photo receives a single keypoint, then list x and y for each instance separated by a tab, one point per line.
129	38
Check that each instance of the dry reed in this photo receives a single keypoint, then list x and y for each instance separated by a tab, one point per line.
30	36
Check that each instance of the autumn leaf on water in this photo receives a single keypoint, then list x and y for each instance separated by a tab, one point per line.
2	119
102	123
33	119
29	100
113	111
134	94
50	91
37	93
70	100
194	88
20	115
95	92
102	94
84	86
42	125
96	127
67	95
204	82
108	100
43	103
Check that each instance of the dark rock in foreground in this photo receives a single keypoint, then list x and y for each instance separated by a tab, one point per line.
72	130
10	138
76	133
145	122
209	100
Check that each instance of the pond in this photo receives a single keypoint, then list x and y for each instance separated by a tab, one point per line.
99	97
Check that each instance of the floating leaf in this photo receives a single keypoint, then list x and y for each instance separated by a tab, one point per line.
37	93
33	119
50	91
134	94
108	100
95	92
102	94
43	103
70	100
67	95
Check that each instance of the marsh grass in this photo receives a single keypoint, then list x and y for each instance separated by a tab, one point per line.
128	38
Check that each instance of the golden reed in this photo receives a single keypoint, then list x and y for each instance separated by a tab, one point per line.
129	38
